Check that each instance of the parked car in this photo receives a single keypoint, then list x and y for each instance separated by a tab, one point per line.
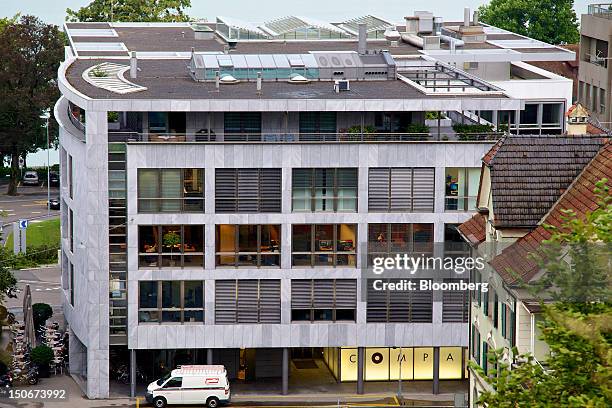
54	203
54	179
191	385
30	178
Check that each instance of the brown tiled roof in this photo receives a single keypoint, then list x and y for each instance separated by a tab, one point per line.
579	197
529	174
474	229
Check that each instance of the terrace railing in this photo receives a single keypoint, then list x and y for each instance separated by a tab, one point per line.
603	10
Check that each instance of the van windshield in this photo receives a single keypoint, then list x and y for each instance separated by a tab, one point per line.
163	379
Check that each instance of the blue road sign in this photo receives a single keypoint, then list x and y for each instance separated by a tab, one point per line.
23	224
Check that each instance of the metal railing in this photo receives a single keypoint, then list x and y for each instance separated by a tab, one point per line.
603	10
75	121
151	137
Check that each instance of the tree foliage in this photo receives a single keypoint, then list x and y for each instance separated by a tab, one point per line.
31	53
132	10
551	21
577	323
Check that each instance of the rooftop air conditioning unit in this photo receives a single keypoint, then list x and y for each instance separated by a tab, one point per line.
341	85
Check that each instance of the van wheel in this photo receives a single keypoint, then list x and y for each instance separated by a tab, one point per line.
159	402
212	402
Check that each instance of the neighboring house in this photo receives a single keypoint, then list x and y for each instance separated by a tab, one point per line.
580	122
224	183
595	70
526	182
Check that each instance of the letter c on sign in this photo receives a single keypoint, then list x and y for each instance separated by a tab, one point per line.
353	358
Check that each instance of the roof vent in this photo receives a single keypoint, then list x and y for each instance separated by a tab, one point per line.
298	79
228	79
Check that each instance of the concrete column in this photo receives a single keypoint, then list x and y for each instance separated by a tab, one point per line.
436	372
209	356
360	366
132	373
285	389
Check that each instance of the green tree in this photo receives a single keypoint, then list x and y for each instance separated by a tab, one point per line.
551	21
31	53
577	322
132	10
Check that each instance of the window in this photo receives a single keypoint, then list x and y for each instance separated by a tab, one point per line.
454	245
248	245
461	188
593	101
71	272
70	171
401	189
247	301
602	101
318	126
386	240
394	306
158	122
324	245
71	229
242	126
170	301
170	190
248	190
332	300
171	246
455	305
551	115
321	190
529	116
175	382
495	311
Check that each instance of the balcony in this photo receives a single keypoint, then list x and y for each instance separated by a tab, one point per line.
602	10
138	137
460	203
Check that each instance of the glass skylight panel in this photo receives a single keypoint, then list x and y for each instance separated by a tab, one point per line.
295	60
309	61
225	62
210	61
100	46
253	61
92	32
525	43
239	61
267	61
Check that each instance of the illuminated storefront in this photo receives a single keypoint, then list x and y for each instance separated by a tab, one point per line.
388	363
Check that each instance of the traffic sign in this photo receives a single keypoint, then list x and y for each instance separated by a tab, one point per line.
23	224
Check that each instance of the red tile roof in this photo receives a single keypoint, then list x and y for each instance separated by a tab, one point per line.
578	197
474	229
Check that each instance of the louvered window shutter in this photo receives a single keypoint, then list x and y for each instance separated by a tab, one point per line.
399	306
301	294
323	294
377	304
247	308
269	301
346	294
378	189
270	190
225	302
248	190
421	306
423	190
454	305
401	189
225	191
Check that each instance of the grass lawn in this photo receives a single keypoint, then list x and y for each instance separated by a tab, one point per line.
39	233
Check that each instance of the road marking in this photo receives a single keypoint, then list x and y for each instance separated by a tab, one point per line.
35	212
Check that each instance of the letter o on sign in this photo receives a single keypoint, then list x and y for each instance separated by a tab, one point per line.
377	358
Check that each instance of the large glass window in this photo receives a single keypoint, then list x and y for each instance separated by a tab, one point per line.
315	300
170	190
461	188
321	190
171	246
324	245
386	240
248	245
242	126
551	115
170	301
318	126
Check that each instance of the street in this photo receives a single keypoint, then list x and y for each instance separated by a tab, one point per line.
30	203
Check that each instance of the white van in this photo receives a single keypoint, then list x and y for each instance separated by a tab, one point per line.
191	384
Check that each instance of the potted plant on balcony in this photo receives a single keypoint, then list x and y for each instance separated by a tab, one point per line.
42	356
171	240
113	120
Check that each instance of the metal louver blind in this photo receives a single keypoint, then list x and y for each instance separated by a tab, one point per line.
248	190
225	302
454	305
225	190
247	309
346	294
423	190
347	178
323	294
399	306
401	189
270	190
301	293
421	306
302	178
376	310
269	301
378	189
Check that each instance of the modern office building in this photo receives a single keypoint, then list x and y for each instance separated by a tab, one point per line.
226	183
595	71
518	196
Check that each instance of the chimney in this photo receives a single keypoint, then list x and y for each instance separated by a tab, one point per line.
133	65
466	17
259	83
363	33
476	18
217	80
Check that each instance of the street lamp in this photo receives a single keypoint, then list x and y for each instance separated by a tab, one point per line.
46	115
399	382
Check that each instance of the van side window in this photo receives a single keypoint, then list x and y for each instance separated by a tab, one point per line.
175	382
